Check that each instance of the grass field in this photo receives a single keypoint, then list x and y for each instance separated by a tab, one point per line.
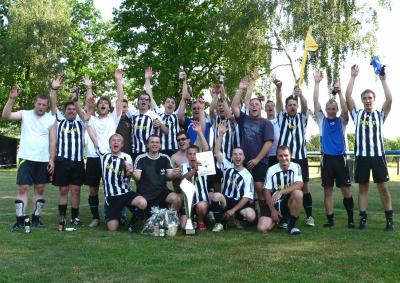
87	255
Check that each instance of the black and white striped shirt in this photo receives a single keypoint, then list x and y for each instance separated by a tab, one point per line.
142	128
169	141
228	140
278	179
200	182
70	138
369	132
293	133
236	184
115	179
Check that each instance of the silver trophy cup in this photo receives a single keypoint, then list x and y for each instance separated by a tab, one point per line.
188	190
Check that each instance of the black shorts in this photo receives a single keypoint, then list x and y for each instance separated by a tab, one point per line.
334	167
160	200
93	172
216	178
231	203
363	166
116	203
68	172
168	152
281	206
304	168
272	160
32	172
259	172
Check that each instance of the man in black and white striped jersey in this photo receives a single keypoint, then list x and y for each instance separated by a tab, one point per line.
293	126
67	149
369	147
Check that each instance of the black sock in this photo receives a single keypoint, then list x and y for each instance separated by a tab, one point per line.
74	212
330	218
292	222
62	210
389	215
363	215
94	206
217	209
307	204
349	206
21	220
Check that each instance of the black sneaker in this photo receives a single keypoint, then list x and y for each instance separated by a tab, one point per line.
37	223
350	225
363	223
389	226
329	224
76	222
17	227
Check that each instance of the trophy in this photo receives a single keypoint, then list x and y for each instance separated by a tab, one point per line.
188	190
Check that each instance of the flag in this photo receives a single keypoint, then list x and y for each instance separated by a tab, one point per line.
309	45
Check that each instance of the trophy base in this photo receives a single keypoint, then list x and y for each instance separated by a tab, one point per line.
190	232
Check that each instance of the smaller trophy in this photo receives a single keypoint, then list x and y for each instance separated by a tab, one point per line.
188	190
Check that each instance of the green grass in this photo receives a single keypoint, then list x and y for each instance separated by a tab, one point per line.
89	255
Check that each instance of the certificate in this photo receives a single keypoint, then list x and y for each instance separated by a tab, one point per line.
207	163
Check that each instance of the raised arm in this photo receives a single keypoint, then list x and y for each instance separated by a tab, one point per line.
349	90
222	129
185	98
55	85
236	101
387	105
90	106
318	76
228	110
278	96
250	88
148	74
202	114
303	101
200	141
120	91
344	111
213	104
75	98
7	110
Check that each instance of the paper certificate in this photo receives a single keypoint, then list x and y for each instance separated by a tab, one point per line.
207	163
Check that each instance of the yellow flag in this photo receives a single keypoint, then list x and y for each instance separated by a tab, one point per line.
309	45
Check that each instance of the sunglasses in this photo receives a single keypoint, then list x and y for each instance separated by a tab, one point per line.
181	139
144	98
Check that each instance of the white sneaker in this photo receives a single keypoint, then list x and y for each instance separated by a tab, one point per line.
218	227
295	231
94	223
310	221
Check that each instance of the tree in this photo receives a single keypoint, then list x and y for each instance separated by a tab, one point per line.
202	36
236	36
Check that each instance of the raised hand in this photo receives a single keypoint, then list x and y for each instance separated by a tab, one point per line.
337	88
318	76
255	74
56	83
118	74
354	70
278	84
14	92
297	91
148	73
156	123
244	83
182	75
222	128
201	103
87	82
196	127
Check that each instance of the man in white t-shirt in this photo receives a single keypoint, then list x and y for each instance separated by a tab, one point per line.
104	124
34	157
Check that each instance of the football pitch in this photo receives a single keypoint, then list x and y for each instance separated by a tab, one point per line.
95	255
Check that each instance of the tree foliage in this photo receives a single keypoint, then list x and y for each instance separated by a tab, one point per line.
236	36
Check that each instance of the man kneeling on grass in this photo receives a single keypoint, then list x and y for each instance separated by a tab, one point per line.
236	201
116	168
283	194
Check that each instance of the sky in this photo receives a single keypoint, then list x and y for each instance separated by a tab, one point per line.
387	50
